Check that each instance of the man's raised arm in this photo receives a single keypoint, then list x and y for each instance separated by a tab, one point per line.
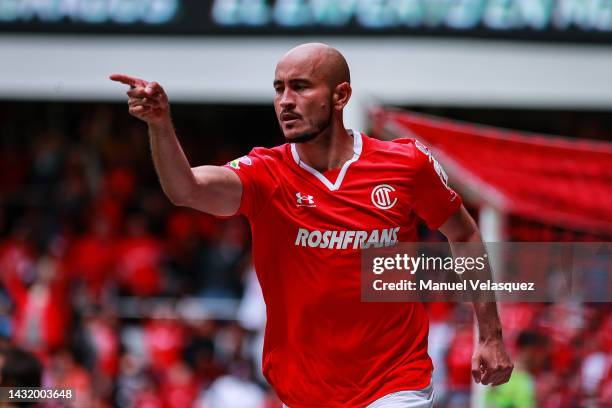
212	189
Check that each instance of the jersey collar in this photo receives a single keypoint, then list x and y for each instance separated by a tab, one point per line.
357	147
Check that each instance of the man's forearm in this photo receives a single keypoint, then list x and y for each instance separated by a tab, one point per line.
490	363
212	189
171	164
489	325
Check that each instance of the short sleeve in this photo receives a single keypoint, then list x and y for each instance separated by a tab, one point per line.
258	182
434	200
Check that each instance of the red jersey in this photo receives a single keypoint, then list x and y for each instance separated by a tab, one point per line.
324	347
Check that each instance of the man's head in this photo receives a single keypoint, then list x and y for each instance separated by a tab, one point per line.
533	350
312	87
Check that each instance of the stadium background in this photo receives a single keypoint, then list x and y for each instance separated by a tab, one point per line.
135	302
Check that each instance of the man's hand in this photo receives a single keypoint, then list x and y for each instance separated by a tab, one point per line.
212	189
490	363
147	100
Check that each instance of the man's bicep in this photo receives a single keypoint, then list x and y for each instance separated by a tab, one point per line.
218	190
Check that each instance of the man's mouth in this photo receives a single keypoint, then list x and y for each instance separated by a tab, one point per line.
289	117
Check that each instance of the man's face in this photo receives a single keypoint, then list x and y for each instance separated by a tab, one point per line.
302	99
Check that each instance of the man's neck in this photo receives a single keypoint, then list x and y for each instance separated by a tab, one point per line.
327	151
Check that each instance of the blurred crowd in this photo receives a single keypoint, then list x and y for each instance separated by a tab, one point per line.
562	355
85	228
136	303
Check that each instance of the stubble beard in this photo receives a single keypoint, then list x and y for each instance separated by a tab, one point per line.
308	136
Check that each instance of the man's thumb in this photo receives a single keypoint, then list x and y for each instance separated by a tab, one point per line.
476	372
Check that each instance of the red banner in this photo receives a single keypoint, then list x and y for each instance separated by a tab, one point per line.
560	181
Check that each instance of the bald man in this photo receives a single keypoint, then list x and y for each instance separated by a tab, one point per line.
312	204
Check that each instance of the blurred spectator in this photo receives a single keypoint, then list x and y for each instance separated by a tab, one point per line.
135	386
459	365
519	392
185	243
235	390
252	317
164	339
101	342
19	368
42	312
65	372
441	332
139	259
223	261
200	353
179	385
92	258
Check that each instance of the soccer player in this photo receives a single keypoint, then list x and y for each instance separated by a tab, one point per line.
312	203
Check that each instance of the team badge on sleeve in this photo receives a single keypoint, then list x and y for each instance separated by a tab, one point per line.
244	160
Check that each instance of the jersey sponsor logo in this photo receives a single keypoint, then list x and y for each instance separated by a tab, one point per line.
304	200
382	196
342	239
244	160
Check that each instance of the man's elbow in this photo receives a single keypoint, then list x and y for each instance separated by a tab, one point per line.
178	201
461	227
469	235
182	198
466	232
184	193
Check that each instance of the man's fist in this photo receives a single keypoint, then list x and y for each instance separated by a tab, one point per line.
147	100
490	363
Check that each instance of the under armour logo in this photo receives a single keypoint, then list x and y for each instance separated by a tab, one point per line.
305	200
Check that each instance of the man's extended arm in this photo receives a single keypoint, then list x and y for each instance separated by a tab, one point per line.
490	362
212	189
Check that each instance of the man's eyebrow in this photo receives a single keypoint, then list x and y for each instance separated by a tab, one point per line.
292	81
299	80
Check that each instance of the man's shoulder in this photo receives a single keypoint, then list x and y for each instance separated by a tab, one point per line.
259	158
275	153
404	149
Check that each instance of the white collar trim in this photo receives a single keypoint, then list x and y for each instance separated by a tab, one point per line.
357	147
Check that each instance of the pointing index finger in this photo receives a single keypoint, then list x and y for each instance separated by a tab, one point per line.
128	80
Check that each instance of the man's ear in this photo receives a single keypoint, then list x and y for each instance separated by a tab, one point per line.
342	94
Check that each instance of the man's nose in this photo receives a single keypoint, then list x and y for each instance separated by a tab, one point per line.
287	99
